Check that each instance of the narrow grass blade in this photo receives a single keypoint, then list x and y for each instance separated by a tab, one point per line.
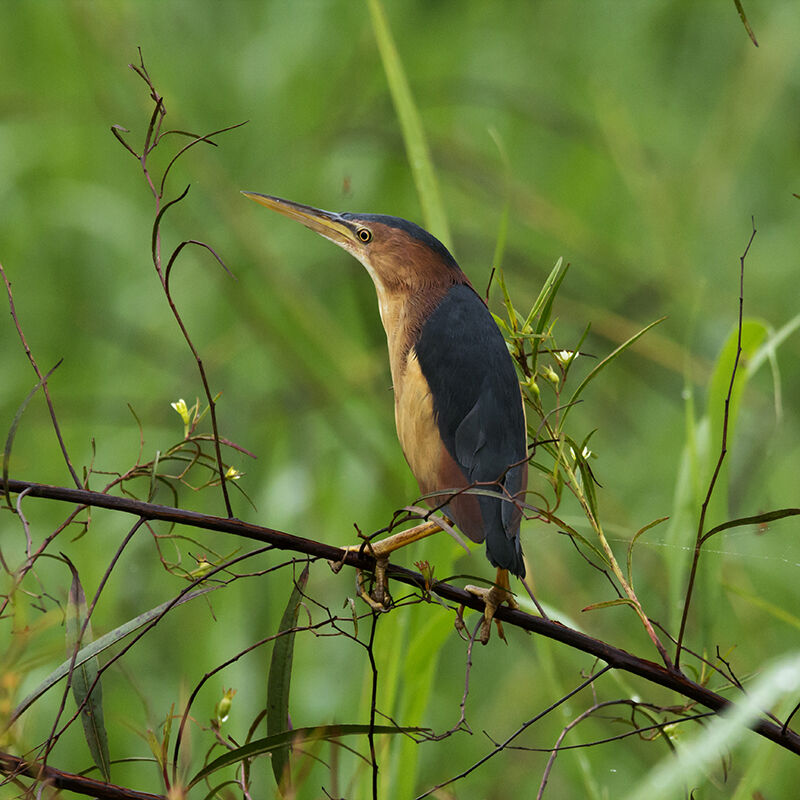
418	671
88	699
687	499
617	601
775	340
544	302
502	231
773	609
685	771
283	740
632	543
90	651
279	681
419	157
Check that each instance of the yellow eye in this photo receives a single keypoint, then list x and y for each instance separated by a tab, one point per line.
364	234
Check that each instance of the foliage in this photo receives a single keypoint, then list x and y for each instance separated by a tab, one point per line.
638	150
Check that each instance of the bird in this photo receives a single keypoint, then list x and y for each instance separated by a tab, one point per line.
458	406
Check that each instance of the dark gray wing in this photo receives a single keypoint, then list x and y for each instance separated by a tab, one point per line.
478	409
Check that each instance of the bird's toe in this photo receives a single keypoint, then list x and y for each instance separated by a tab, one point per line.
492	598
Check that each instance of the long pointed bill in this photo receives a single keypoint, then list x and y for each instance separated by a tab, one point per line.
325	223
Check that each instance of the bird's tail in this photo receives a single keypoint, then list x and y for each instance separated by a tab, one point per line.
503	548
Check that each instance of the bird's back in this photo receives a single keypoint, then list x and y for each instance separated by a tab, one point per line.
477	407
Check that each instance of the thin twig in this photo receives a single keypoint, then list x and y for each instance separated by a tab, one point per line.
42	380
723	450
502	745
152	139
613	656
373	705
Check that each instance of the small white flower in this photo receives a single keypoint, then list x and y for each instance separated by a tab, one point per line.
565	356
185	414
182	409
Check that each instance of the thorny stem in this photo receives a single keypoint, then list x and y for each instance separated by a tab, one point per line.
700	539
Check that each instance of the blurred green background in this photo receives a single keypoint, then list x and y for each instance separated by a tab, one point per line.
640	139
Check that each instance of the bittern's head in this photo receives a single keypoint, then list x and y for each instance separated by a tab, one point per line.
399	255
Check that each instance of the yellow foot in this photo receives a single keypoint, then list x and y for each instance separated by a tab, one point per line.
492	599
379	598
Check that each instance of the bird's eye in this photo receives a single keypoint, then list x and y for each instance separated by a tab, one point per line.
364	234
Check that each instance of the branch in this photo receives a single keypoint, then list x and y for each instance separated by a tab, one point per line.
615	657
14	766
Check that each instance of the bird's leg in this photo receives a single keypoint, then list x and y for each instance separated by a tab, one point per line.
379	598
492	598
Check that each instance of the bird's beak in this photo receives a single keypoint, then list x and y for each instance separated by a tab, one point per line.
325	223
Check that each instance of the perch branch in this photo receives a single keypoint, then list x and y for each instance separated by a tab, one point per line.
615	657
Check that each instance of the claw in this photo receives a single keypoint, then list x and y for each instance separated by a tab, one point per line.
336	566
379	598
492	600
460	625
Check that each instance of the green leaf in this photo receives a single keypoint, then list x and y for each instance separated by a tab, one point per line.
709	602
754	332
279	681
282	740
587	479
99	645
544	302
633	542
618	601
768	351
775	340
415	676
88	699
756	519
419	157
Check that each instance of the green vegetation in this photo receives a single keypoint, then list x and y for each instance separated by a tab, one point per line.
633	143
